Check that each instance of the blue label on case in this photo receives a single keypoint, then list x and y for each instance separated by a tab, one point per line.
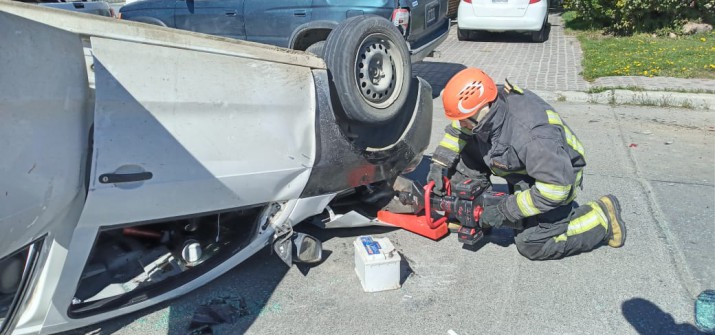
372	247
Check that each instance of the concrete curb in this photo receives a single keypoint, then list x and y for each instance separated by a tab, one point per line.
703	101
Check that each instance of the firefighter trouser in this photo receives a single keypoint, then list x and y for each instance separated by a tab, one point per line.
563	231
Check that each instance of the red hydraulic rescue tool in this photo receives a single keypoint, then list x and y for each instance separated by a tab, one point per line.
463	202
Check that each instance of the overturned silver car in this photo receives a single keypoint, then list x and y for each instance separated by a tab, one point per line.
138	163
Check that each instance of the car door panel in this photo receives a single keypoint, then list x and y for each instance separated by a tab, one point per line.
339	10
195	134
215	17
273	21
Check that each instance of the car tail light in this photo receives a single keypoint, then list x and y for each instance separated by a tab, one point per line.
533	1
15	272
467	1
401	18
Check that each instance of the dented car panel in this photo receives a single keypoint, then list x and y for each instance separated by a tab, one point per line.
128	148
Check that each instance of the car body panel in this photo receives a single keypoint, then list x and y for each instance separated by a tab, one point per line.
215	17
252	125
272	22
427	21
499	8
514	15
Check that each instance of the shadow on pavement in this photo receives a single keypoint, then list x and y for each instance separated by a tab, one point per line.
437	74
506	37
647	318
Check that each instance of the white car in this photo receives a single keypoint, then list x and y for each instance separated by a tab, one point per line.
503	15
140	162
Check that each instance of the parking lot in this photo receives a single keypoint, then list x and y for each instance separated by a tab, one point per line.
647	287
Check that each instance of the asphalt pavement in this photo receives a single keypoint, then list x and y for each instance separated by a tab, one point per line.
660	162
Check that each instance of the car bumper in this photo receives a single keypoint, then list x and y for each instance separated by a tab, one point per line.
420	52
532	20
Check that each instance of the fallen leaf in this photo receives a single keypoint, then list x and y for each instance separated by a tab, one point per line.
633	145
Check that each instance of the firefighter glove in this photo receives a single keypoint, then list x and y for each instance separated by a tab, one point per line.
435	174
493	216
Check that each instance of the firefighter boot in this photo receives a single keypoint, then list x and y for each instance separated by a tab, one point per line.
616	235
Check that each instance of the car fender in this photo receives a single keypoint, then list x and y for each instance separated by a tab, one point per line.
306	27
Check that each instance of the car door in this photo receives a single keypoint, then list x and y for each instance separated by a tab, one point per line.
180	131
273	21
215	17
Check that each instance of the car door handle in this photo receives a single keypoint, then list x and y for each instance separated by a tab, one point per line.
299	13
113	178
231	13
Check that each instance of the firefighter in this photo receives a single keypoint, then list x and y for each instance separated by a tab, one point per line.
513	133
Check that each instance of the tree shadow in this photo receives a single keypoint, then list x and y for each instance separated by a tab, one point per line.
647	318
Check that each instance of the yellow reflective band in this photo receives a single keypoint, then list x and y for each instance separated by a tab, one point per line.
456	125
571	139
560	238
587	221
553	117
452	143
526	204
579	177
553	192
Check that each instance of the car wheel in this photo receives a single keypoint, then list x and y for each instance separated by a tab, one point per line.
316	48
541	35
370	68
463	35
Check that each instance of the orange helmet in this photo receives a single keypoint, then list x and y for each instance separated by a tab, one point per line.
467	93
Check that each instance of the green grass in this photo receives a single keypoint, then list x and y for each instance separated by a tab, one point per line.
690	56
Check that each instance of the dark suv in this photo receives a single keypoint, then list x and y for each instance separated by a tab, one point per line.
295	24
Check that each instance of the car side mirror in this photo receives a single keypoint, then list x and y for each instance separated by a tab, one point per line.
307	249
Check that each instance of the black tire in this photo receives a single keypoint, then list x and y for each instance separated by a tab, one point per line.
541	35
370	68
463	35
316	48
